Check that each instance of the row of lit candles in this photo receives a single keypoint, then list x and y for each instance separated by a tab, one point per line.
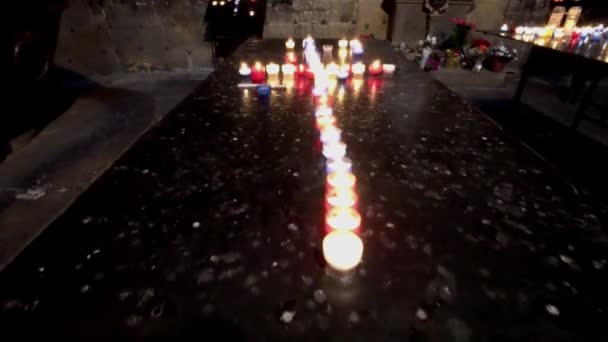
355	45
342	247
258	71
593	33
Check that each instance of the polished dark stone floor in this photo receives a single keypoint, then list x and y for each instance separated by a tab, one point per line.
209	228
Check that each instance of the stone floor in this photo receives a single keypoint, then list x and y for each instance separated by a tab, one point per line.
52	165
542	121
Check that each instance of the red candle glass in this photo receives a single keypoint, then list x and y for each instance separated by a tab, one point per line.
258	73
375	68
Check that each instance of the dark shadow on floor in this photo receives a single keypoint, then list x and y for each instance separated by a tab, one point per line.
31	107
579	158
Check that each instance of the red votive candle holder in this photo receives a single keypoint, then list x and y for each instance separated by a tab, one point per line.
258	73
375	68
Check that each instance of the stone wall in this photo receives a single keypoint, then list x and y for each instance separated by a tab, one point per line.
324	18
107	36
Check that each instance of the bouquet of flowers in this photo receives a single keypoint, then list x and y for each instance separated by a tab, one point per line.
476	53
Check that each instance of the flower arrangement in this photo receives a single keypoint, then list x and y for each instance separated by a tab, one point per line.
459	34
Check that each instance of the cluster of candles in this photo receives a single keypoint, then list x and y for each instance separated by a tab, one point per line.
578	34
342	247
313	68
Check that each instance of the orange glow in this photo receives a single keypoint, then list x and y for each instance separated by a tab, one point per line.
342	198
343	43
273	80
258	66
342	250
343	219
341	179
291	58
341	92
322	100
325	121
357	84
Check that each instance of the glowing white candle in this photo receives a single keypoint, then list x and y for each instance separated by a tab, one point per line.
520	30
334	150
290	44
244	70
330	135
388	69
272	69
343	43
288	69
342	250
504	28
343	219
332	69
340	198
341	179
358	69
324	111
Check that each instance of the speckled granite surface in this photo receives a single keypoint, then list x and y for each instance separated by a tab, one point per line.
209	228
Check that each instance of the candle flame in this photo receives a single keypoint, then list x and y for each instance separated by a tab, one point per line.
343	219
342	250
